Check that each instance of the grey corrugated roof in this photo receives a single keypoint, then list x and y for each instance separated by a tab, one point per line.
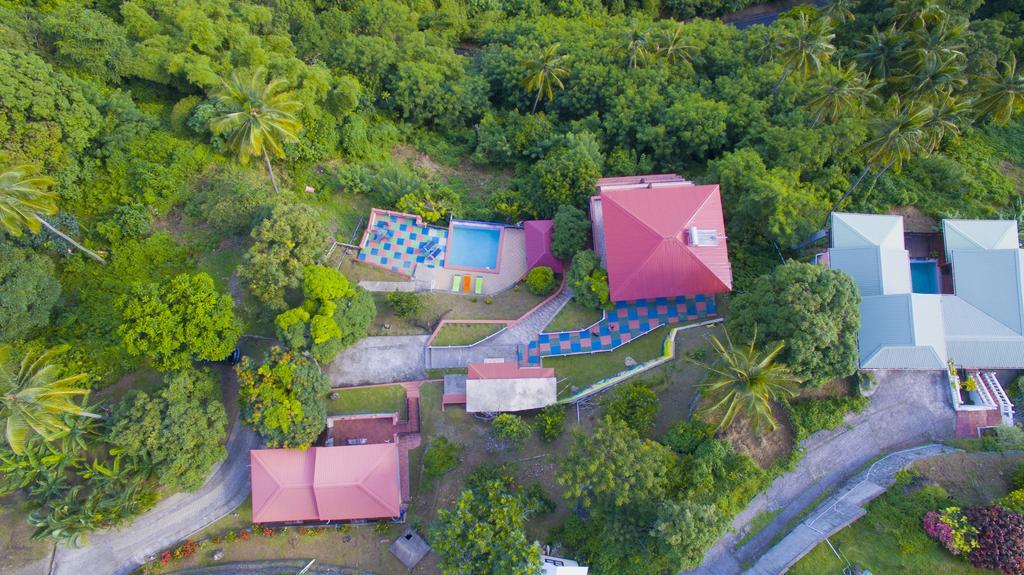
903	328
979	234
987	353
859	230
876	270
963	320
991	280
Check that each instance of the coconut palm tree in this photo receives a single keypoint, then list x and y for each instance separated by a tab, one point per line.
671	46
639	48
544	73
947	116
25	199
840	11
932	77
897	136
881	51
260	117
34	395
1001	94
919	13
806	47
746	380
840	90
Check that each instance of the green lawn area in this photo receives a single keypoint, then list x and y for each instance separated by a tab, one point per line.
572	317
465	333
222	261
585	369
383	399
508	305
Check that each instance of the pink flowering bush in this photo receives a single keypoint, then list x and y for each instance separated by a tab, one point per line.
952	529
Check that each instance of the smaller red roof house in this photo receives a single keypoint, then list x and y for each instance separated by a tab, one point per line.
660	236
538	245
344	483
497	386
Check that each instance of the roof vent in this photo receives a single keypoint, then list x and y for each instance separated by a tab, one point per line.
702	238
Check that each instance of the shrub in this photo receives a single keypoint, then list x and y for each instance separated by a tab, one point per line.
1016	388
441	456
1018	476
540	281
231	200
685	436
551	422
405	304
511	429
634	404
589	282
1014	501
812	415
1000	544
951	528
570	233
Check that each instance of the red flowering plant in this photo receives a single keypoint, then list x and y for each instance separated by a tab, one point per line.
1000	539
951	528
243	534
165	557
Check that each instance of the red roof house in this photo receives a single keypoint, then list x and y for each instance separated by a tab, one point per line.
341	483
660	236
538	245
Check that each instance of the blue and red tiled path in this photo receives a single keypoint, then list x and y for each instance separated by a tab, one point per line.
626	322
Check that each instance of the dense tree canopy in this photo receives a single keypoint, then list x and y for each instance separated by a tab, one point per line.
283	398
28	291
814	310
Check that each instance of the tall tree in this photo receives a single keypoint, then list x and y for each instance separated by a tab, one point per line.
744	379
25	199
260	117
1001	94
28	291
671	46
881	51
35	394
544	73
840	11
841	90
805	46
638	47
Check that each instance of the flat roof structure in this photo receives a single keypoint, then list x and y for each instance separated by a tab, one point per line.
504	387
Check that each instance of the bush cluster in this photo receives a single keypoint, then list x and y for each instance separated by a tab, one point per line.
541	281
810	416
442	456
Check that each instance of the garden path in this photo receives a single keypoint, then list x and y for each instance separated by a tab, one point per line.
908	408
841	509
173	519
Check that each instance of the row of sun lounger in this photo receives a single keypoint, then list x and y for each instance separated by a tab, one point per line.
466	284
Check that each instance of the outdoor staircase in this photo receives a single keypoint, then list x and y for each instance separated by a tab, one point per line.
988	378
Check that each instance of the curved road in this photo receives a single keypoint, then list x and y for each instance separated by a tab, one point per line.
121	551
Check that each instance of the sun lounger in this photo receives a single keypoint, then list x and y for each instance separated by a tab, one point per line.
456	283
467	283
479	289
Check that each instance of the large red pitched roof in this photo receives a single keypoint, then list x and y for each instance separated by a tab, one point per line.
325	483
646	223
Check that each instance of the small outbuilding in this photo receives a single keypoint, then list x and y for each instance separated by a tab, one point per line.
409	548
538	245
504	386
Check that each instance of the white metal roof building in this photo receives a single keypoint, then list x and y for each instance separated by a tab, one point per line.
980	325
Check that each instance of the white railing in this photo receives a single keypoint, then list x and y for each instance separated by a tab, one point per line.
1004	403
983	399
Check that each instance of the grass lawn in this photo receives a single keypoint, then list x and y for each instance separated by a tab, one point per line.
756	525
17	548
582	370
357	271
384	399
508	305
143	379
572	317
465	333
889	539
221	262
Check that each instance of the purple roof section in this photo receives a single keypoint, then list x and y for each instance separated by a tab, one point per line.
538	245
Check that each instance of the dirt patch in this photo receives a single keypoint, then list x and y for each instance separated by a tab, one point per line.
839	387
419	160
174	223
17	548
914	220
972	478
765	447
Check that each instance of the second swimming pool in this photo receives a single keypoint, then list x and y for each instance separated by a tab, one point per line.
474	246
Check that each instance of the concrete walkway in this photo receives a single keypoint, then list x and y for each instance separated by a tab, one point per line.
121	551
909	408
381	359
505	344
842	509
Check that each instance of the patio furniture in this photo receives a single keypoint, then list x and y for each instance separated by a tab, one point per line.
479	288
456	283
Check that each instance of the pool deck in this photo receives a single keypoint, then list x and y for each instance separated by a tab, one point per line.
511	269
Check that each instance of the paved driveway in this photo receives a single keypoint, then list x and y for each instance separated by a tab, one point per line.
383	359
909	408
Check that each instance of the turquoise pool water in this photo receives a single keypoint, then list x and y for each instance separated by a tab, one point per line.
473	246
924	276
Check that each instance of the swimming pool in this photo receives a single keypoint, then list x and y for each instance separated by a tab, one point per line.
924	276
473	246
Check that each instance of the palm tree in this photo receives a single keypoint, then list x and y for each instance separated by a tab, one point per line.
34	395
638	47
880	51
898	136
745	379
260	117
839	11
25	199
944	40
932	77
1001	94
947	116
544	73
840	90
919	13
671	46
806	47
